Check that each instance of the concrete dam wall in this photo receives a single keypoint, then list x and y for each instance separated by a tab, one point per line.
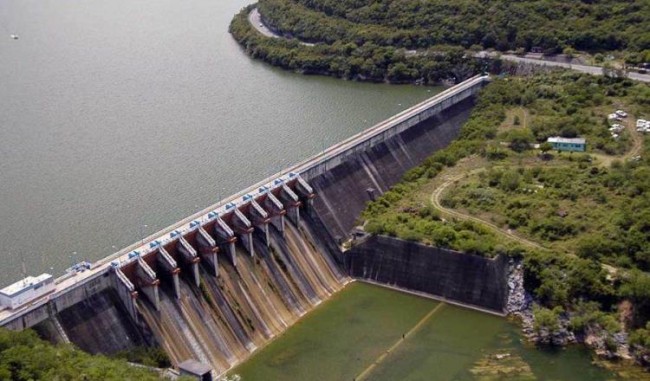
447	274
343	190
223	282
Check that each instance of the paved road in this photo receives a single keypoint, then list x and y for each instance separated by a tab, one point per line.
595	70
256	21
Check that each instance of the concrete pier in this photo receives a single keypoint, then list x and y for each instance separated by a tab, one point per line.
260	219
148	282
305	191
227	238
190	258
126	291
276	211
168	263
208	250
244	230
291	203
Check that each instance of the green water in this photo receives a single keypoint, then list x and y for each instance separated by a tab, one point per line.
340	339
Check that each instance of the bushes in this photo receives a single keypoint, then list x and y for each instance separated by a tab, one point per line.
547	319
154	357
23	356
520	139
640	338
557	280
553	228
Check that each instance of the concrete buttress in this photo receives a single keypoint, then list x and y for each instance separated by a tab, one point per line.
169	264
260	219
306	191
276	210
208	250
226	237
148	282
292	203
190	258
244	229
126	291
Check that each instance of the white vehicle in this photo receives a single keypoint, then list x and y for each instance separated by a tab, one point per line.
621	113
614	117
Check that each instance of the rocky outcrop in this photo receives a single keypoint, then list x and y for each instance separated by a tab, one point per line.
519	303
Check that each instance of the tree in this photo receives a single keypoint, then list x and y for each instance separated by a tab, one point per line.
613	71
569	52
520	139
545	147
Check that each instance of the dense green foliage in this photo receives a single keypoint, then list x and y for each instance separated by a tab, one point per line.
24	356
553	25
597	213
427	42
585	214
147	356
363	61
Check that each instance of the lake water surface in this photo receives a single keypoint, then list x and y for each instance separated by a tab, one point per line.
119	114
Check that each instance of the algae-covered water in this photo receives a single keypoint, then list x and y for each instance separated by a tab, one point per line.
367	332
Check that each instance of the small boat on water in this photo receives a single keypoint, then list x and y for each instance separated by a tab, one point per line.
14	36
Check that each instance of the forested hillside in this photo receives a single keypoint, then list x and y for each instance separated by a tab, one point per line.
367	61
432	41
601	25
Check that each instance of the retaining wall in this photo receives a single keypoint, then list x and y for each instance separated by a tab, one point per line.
447	274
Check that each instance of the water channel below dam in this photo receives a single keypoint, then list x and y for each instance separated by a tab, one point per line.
357	334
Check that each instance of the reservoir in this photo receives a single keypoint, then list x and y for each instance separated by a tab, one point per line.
119	118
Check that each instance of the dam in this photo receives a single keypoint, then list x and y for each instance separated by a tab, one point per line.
220	284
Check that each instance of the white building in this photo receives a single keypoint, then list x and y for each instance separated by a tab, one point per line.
26	290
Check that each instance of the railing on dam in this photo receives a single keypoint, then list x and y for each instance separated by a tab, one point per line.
307	168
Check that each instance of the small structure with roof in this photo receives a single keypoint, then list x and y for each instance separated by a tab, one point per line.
26	290
568	144
196	369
